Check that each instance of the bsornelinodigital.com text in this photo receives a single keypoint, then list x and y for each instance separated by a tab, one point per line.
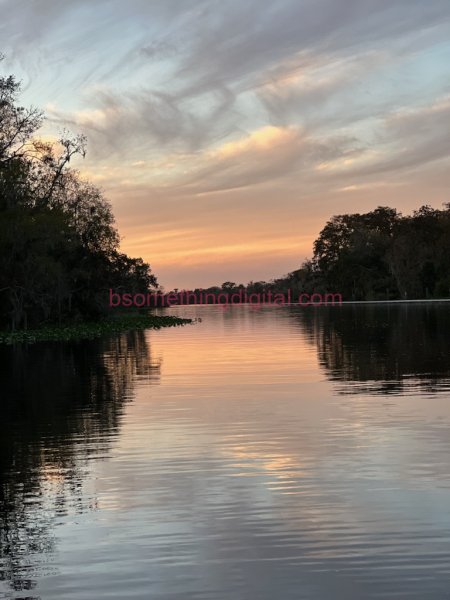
161	299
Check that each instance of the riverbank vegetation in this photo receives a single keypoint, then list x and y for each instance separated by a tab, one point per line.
59	247
379	255
84	331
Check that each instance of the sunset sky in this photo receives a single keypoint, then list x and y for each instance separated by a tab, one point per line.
225	133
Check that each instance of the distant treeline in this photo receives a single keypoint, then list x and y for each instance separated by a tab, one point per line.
59	248
379	255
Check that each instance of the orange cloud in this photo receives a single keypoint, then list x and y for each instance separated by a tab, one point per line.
260	140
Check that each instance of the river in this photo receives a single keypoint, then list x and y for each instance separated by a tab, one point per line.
259	453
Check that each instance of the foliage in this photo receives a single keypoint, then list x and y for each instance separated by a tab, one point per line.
59	248
379	255
84	331
383	255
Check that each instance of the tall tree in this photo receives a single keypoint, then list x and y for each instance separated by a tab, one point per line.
59	247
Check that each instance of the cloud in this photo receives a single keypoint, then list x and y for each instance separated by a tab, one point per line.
407	139
239	40
261	155
144	121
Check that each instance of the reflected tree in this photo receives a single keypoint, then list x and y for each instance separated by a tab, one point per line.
61	404
381	347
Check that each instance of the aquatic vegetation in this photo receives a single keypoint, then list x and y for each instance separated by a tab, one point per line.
83	331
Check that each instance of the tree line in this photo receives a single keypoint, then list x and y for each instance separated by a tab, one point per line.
378	255
59	247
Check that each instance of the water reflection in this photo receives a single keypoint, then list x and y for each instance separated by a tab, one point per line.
381	349
60	407
236	470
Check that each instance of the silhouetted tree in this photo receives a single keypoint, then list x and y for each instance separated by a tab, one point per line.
59	248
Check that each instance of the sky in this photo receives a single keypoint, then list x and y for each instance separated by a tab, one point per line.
226	133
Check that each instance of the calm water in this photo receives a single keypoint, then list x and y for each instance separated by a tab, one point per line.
258	454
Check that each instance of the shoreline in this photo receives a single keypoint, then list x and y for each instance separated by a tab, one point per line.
311	305
403	301
91	330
